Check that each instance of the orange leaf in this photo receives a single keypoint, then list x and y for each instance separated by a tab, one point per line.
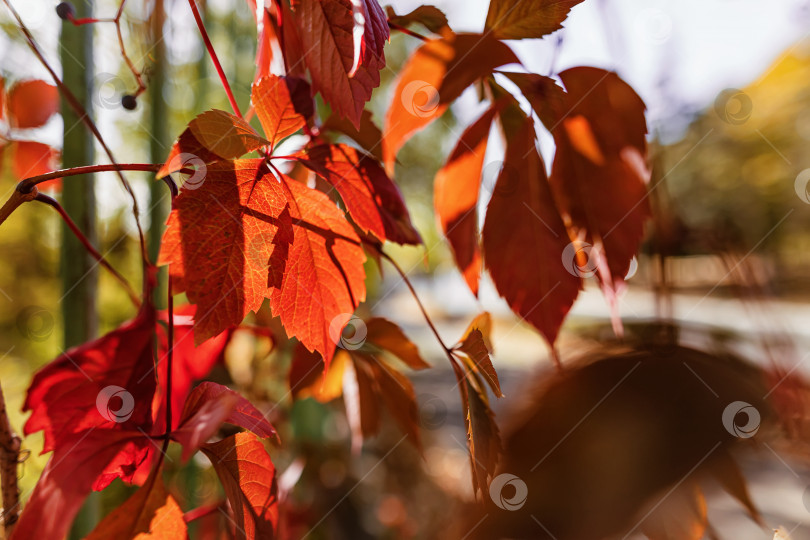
371	197
32	103
389	337
434	76
601	148
483	437
249	479
245	235
151	512
524	239
430	17
282	104
212	136
368	135
309	378
455	197
476	350
34	158
343	50
508	19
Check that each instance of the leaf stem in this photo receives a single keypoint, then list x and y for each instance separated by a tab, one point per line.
28	183
214	58
16	199
398	28
89	247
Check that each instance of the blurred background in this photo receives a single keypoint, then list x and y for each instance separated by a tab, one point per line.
727	86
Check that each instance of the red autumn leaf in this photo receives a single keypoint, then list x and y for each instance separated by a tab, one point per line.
107	383
67	480
430	17
282	104
308	376
264	14
387	336
151	512
601	148
212	136
524	239
290	41
190	362
547	99
455	197
31	103
435	75
249	479
34	158
527	18
245	235
343	43
207	407
371	197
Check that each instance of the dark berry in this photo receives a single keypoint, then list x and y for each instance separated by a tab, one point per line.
65	10
129	102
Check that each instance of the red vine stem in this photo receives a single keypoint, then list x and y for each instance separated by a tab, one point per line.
25	185
76	105
214	57
9	458
398	28
89	247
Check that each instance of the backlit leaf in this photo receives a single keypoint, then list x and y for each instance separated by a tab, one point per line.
508	19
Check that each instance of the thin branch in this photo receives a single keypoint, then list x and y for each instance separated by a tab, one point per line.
214	57
394	26
16	199
76	105
25	185
89	247
9	459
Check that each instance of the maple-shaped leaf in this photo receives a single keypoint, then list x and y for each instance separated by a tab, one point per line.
343	43
31	103
106	383
67	479
371	197
249	478
455	197
524	239
430	17
151	512
212	136
223	239
434	76
601	148
508	19
283	105
210	405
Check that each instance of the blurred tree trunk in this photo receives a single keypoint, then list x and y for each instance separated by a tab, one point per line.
78	269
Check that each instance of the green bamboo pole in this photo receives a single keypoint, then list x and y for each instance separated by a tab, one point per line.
78	269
